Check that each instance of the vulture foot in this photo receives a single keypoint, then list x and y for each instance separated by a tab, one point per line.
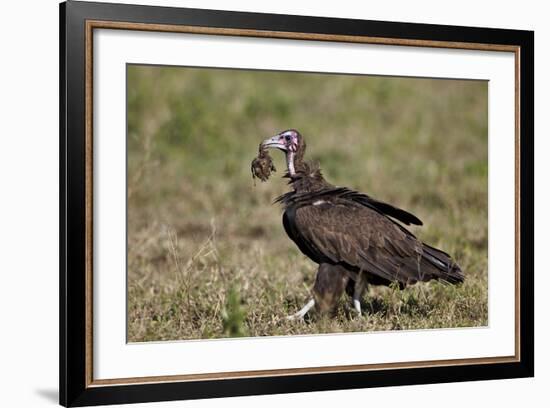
357	306
302	312
358	289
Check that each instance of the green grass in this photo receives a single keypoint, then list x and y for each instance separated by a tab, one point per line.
207	253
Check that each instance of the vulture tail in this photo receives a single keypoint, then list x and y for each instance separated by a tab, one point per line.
440	265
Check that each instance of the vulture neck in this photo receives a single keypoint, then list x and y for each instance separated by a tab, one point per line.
304	177
290	158
295	160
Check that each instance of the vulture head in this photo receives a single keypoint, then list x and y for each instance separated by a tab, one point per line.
292	143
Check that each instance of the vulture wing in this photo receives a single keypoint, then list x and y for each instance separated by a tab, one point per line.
347	232
347	194
384	208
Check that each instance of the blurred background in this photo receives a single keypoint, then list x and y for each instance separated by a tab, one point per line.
207	253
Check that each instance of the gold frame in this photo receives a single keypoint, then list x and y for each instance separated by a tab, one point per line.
100	24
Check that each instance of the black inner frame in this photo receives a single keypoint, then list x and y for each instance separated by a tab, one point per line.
72	311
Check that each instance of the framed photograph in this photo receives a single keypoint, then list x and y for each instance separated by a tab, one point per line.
256	204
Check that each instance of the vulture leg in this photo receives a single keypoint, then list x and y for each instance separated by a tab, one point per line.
302	312
330	282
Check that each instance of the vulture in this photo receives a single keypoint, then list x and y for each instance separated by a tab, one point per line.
355	239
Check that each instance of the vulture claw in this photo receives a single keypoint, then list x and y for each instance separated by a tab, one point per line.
299	315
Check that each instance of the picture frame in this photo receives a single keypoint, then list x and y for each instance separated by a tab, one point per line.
79	21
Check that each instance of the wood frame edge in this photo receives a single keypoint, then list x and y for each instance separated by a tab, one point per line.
91	24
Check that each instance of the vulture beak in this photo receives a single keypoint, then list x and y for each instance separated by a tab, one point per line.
274	142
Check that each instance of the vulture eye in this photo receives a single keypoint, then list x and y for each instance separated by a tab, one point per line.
287	138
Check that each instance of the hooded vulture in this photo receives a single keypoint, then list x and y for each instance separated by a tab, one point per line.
355	239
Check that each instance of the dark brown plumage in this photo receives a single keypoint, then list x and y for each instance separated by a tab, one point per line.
351	235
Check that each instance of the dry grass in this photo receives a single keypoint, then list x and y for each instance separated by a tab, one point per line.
207	253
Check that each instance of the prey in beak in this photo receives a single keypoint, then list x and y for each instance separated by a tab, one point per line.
262	166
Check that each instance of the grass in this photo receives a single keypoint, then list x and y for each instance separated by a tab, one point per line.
207	253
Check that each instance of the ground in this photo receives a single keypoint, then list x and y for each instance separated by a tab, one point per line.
207	253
